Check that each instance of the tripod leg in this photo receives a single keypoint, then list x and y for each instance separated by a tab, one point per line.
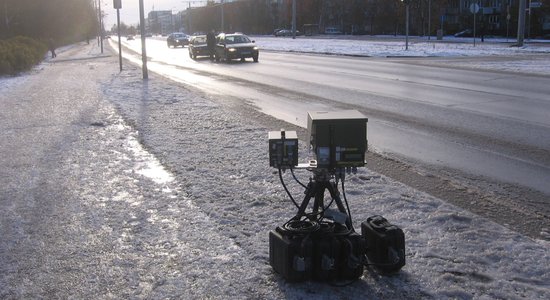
319	200
310	192
335	194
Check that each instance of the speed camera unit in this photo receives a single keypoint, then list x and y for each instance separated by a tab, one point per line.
339	138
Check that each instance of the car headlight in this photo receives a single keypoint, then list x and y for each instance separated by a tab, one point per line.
231	49
256	48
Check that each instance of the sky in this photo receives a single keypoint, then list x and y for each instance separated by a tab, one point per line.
129	14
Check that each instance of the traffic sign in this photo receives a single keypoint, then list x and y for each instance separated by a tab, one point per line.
474	8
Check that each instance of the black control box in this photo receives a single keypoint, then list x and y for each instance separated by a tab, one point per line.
283	149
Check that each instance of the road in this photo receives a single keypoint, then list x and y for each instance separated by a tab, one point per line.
489	129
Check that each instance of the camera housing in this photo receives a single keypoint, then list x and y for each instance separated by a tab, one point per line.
338	138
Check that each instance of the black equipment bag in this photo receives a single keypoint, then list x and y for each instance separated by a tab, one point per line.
330	253
290	254
353	250
385	244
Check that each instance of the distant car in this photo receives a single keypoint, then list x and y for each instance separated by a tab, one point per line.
332	30
177	39
464	33
130	38
283	32
197	46
235	46
286	32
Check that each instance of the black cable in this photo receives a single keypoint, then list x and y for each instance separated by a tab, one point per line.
292	171
347	206
301	226
286	189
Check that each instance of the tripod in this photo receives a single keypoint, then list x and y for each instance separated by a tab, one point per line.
322	181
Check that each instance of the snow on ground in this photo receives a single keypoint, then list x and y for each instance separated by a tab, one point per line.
220	153
395	47
203	165
450	47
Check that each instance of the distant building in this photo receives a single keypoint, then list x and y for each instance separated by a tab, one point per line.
160	22
495	17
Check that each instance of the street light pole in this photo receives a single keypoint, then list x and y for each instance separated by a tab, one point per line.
223	29
521	23
293	19
142	32
100	26
529	21
429	19
98	22
118	5
189	19
407	2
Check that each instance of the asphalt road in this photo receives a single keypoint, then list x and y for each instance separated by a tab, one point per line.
480	123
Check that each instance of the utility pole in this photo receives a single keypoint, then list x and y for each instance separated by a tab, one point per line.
6	17
189	19
100	26
142	33
223	27
529	21
521	23
429	19
293	19
407	2
117	4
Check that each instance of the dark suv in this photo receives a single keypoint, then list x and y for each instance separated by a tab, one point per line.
235	46
177	39
197	46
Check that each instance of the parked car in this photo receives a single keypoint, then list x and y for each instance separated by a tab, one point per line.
464	33
177	39
130	38
235	46
197	46
332	30
286	32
